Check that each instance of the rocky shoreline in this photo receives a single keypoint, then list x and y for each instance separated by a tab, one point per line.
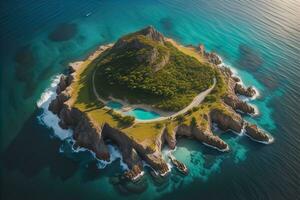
89	134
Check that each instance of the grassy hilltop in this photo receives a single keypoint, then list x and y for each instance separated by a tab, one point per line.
143	67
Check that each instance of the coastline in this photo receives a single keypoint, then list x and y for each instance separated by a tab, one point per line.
157	163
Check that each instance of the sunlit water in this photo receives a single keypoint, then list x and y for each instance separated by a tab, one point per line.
259	39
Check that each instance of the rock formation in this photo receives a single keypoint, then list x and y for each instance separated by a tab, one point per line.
92	135
248	92
256	133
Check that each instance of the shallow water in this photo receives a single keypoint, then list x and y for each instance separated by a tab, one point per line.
114	105
143	114
260	39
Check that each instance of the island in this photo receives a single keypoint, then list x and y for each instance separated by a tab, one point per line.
183	91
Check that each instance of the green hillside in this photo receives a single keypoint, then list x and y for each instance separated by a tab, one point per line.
143	67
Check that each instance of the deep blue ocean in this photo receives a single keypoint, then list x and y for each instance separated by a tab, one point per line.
259	39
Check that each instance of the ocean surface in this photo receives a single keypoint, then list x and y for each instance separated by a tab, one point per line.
259	39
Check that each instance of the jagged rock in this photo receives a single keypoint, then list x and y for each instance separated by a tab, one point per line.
71	69
227	119
170	138
89	135
256	133
201	49
62	85
213	58
56	105
238	105
133	173
202	135
236	79
151	33
248	92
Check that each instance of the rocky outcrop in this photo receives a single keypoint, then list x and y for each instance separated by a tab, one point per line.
256	133
170	137
236	79
248	92
151	33
202	135
227	119
213	58
238	105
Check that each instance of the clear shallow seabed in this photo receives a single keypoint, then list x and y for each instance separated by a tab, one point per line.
260	39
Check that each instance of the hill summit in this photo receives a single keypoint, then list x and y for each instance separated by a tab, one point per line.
145	66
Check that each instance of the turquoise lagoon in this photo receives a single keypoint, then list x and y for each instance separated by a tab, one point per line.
138	113
143	114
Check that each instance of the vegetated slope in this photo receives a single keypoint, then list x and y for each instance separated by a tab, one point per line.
143	67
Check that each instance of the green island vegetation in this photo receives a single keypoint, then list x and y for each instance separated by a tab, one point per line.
169	81
151	72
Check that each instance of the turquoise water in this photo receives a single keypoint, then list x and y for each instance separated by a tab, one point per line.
114	105
143	114
260	39
138	113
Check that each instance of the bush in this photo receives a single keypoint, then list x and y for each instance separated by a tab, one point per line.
158	125
193	122
127	120
180	118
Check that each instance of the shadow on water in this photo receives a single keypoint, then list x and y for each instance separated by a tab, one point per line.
63	32
32	150
166	23
249	59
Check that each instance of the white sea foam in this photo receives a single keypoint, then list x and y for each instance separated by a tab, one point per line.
47	118
51	120
114	155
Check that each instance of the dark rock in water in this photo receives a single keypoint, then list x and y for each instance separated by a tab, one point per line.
249	59
236	79
63	32
25	60
256	133
167	23
213	58
227	120
248	92
269	80
238	104
25	57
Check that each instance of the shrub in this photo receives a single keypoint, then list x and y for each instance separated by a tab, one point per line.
193	122
180	118
127	120
158	125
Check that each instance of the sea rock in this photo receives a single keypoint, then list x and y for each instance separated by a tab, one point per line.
89	135
227	119
236	79
213	58
57	104
256	133
238	105
203	135
201	49
208	138
248	92
133	173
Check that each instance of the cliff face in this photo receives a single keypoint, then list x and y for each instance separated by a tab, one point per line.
227	120
202	135
92	135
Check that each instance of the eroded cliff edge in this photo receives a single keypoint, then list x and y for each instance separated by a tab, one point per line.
92	134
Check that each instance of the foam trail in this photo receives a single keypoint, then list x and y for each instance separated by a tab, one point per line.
47	118
114	155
